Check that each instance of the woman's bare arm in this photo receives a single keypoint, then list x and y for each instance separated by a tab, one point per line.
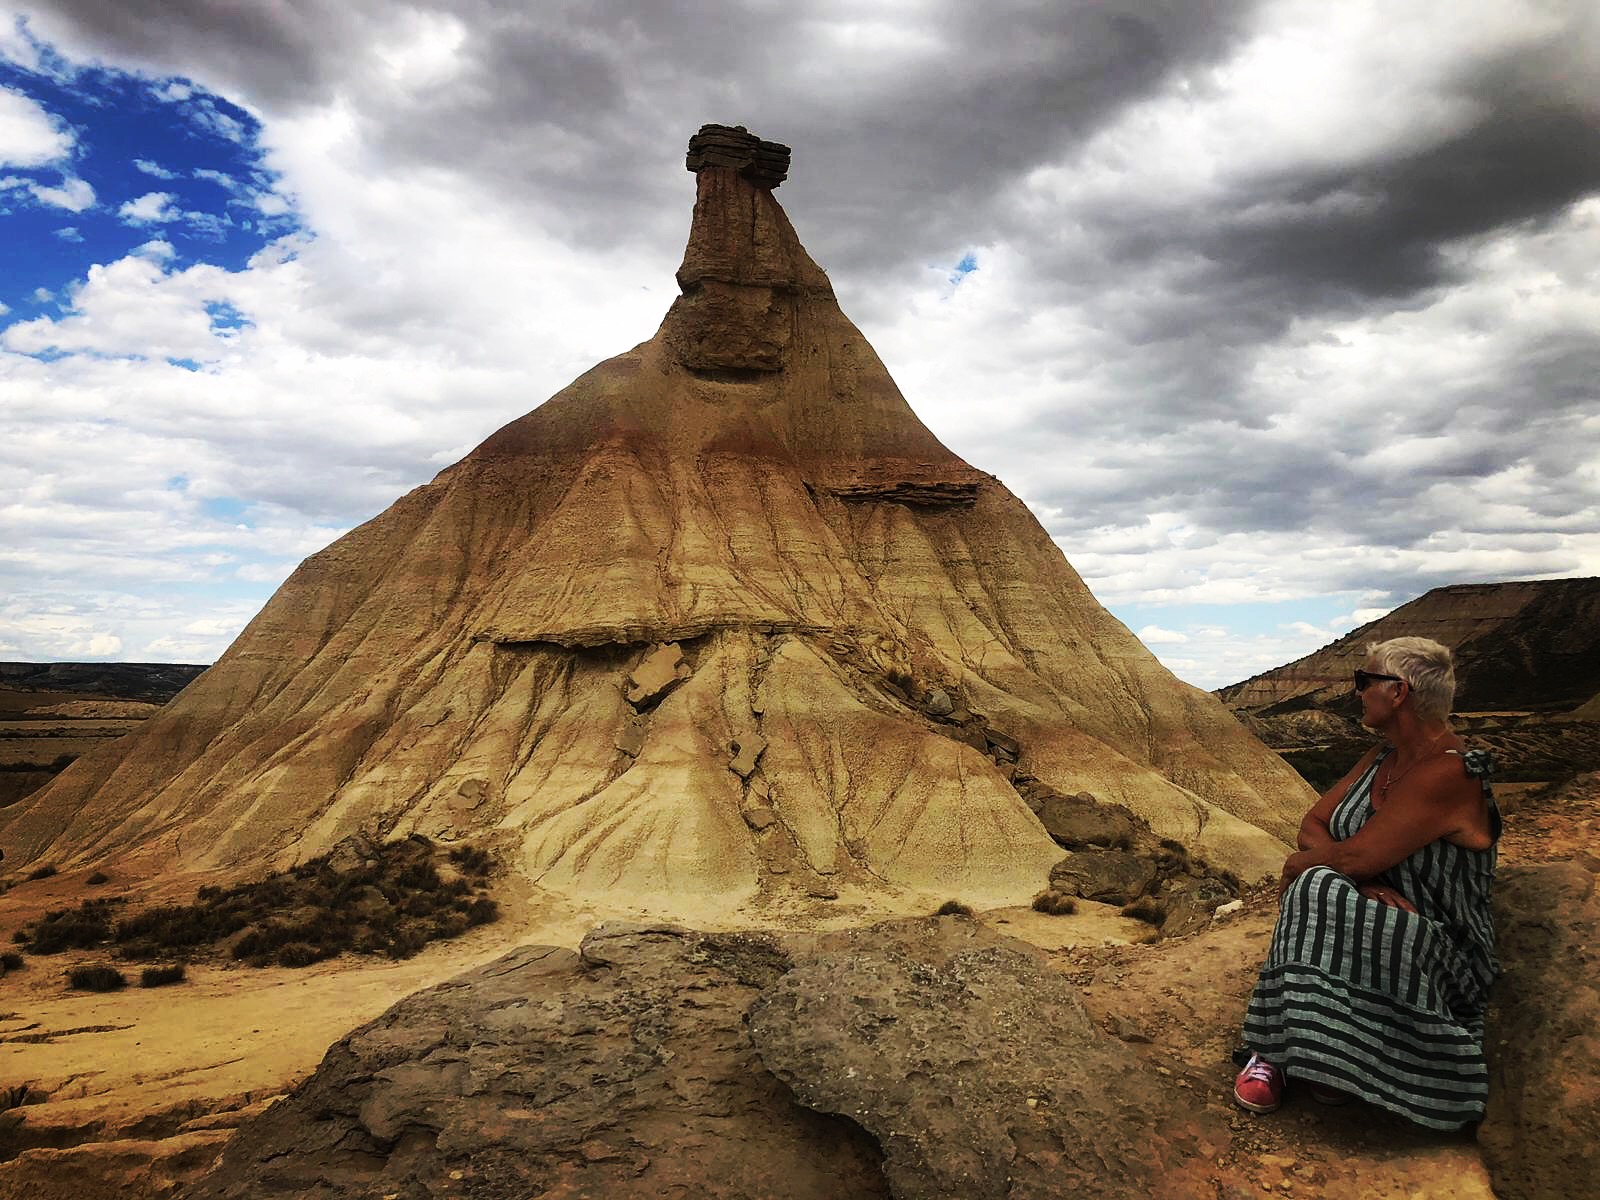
1314	825
1438	800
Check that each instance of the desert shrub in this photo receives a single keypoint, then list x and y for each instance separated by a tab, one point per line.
1231	879
11	961
1147	909
472	860
419	904
419	877
393	905
298	954
97	879
161	976
952	908
81	928
97	978
449	924
176	927
1055	903
406	942
43	872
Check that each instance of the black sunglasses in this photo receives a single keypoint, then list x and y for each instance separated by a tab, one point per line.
1364	679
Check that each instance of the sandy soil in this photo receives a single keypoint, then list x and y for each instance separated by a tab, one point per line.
151	1063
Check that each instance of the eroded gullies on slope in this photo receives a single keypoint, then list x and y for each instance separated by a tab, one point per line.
881	657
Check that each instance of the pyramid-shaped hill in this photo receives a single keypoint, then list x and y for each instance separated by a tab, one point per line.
722	620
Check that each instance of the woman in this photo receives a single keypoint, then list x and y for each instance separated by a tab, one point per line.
1380	964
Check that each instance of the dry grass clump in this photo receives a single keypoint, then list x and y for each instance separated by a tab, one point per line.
952	908
161	976
395	903
97	978
97	879
1054	902
10	961
1147	909
43	872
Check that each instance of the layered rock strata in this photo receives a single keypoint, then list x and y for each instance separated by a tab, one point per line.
721	620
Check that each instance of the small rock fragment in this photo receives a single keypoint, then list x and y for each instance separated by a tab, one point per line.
747	749
938	703
1223	911
630	738
759	817
656	675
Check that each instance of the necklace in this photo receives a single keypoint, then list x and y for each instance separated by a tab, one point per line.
1393	776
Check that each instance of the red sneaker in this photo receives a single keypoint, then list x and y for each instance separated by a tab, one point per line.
1259	1087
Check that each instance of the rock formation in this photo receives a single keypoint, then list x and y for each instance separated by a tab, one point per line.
660	1062
721	619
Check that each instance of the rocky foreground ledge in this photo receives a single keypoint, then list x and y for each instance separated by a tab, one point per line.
929	1058
919	1058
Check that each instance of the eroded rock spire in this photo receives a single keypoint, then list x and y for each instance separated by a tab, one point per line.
744	267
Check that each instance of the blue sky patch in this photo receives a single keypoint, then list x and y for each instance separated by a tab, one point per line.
967	265
164	160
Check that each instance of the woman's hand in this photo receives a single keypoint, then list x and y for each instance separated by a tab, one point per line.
1384	894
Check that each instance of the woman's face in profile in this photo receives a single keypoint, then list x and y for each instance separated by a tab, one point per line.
1377	699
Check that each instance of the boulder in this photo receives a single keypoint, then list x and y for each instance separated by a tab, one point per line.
621	1071
1109	876
656	1061
1081	820
652	678
979	1074
1543	1036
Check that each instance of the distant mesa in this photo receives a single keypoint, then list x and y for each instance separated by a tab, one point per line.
1527	657
1532	644
719	625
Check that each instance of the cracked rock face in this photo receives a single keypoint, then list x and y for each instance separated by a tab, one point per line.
1543	1036
737	532
631	1069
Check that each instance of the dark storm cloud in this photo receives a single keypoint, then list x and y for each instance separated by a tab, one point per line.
581	107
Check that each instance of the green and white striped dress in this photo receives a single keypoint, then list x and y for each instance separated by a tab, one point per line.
1378	1002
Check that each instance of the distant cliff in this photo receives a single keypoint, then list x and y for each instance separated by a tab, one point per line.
1528	646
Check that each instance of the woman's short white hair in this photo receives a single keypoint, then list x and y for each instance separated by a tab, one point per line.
1425	665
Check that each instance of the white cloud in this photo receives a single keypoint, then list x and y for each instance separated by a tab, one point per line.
1198	414
154	168
69	233
152	208
73	194
29	136
1154	635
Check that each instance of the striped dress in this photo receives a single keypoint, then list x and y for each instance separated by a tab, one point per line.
1378	1002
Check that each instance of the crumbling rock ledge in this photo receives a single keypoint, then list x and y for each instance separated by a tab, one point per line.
657	1061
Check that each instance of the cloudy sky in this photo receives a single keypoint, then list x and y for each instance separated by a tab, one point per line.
1278	314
